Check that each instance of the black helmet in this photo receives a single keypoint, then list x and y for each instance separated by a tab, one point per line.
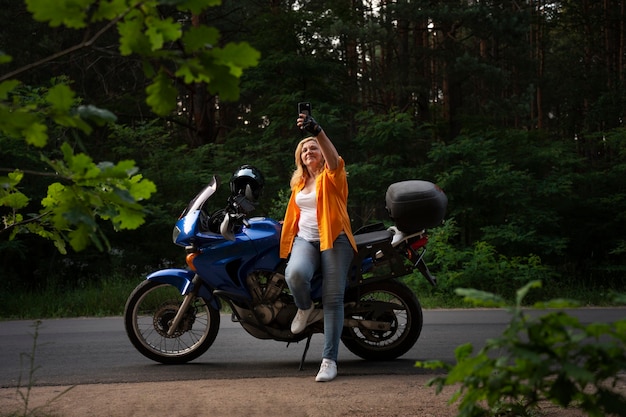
247	181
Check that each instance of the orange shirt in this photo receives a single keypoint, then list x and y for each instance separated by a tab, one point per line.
331	188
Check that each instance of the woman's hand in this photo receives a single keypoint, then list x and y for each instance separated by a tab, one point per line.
308	124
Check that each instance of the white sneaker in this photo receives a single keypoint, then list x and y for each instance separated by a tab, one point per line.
304	318
327	372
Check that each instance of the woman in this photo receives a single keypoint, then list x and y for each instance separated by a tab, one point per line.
316	232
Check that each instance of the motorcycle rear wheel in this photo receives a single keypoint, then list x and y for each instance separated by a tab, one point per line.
149	311
387	301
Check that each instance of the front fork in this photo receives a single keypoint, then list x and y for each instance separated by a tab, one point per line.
185	305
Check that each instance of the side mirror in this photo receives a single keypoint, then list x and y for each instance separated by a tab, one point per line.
225	229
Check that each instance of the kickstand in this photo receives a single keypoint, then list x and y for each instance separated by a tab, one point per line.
306	349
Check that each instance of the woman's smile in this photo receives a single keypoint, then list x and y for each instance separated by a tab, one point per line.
311	154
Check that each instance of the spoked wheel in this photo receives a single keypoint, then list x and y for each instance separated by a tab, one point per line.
148	316
395	321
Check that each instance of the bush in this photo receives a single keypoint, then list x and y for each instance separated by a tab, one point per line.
479	266
551	358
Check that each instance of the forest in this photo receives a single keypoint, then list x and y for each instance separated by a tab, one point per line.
514	108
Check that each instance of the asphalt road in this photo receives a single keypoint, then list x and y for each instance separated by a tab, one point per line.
96	350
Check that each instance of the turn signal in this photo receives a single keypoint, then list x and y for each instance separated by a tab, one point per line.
190	257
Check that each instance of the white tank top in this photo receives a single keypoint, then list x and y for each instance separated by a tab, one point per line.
307	225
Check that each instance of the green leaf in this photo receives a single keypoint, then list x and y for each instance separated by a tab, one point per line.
36	134
81	165
557	303
576	373
521	293
15	200
160	31
194	6
480	298
469	367
80	237
170	2
141	189
598	329
59	243
431	364
6	87
54	235
22	124
161	95
562	390
79	215
463	351
132	38
193	71
71	13
129	218
12	179
224	83
238	56
109	10
4	58
69	120
54	196
123	169
199	38
61	98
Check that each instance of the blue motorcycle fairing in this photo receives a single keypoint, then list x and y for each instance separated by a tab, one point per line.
265	233
182	280
228	263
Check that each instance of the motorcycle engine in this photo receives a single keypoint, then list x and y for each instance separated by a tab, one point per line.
266	288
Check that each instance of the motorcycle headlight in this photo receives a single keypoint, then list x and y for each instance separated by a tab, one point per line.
175	233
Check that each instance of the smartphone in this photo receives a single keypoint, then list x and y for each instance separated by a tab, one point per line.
304	107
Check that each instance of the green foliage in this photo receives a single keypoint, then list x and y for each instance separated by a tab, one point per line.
599	205
553	357
504	194
532	160
526	192
95	298
161	94
279	204
373	168
478	266
146	32
82	191
105	190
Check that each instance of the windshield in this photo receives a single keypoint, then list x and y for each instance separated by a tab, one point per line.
202	196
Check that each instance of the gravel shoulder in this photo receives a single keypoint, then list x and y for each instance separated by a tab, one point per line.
370	396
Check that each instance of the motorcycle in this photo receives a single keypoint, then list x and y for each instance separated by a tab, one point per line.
173	316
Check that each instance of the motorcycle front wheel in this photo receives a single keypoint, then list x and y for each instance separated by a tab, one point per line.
148	316
391	303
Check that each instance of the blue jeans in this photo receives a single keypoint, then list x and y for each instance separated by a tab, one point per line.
305	259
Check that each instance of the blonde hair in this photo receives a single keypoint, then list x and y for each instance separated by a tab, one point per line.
301	173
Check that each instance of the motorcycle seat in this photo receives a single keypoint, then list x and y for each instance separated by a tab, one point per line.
371	238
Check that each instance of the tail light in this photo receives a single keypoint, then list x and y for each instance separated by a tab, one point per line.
419	243
415	246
